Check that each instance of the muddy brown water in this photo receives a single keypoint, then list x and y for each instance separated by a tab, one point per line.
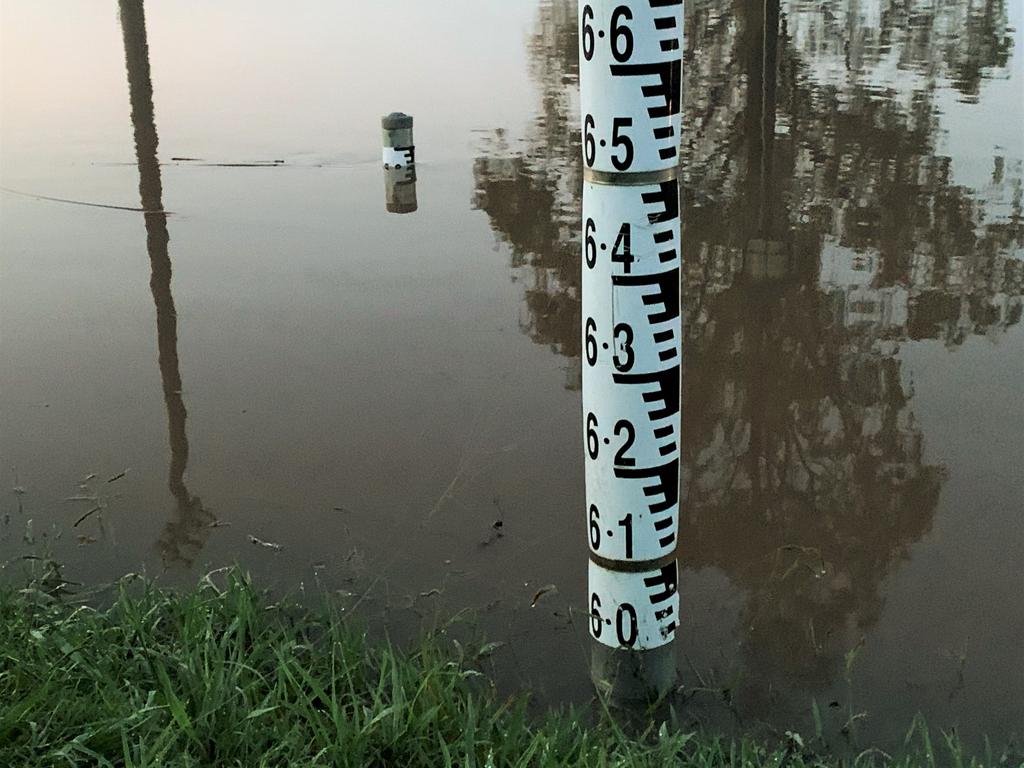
268	354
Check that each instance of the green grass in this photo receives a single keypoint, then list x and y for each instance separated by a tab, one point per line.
222	676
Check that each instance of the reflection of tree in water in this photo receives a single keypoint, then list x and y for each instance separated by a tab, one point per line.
531	192
961	41
186	533
821	230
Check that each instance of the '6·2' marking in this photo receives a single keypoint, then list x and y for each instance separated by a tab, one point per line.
622	427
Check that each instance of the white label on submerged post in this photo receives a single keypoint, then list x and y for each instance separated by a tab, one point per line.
630	83
631	368
635	611
399	157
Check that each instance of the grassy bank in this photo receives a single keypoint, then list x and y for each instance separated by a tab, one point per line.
222	676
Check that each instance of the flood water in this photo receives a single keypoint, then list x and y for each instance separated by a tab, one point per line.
393	402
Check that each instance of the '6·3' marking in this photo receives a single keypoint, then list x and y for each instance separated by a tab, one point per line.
624	356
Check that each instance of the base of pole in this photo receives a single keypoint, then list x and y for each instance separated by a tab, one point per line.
633	676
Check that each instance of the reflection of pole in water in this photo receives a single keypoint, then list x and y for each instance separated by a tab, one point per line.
191	517
765	256
399	155
630	78
400	189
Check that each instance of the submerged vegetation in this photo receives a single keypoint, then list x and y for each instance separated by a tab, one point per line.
221	675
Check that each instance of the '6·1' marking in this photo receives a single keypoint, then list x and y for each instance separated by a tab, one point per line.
625	523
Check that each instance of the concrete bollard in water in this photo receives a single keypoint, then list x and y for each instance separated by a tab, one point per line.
630	93
399	149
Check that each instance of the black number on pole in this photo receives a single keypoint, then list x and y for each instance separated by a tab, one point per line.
592	439
595	527
627	524
619	140
627	635
590	244
623	33
595	615
589	147
628	357
622	253
591	341
621	459
588	33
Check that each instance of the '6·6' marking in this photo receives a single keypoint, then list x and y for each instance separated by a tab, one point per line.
621	34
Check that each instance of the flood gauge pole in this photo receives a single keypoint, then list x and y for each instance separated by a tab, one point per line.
630	92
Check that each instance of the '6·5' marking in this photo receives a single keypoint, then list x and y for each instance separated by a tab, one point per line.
620	141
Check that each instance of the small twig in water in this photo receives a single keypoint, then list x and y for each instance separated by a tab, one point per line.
265	544
541	592
79	202
95	509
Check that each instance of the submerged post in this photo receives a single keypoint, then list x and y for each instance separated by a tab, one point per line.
399	155
399	150
630	92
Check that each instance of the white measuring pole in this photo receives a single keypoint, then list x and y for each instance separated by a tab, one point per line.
630	92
